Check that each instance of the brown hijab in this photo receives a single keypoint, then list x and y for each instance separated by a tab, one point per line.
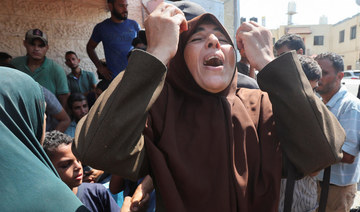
212	152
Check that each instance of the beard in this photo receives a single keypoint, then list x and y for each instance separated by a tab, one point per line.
326	88
119	16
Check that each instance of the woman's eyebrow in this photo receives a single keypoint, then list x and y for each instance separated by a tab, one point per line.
199	29
218	29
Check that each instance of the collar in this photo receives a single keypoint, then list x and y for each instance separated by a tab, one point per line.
46	61
72	75
339	95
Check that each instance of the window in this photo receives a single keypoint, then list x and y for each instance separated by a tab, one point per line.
341	36
347	74
318	40
353	32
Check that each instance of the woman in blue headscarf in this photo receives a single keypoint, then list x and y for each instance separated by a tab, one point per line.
28	182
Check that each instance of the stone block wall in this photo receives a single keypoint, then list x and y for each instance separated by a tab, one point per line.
68	24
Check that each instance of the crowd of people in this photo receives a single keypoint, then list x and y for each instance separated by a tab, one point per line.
176	122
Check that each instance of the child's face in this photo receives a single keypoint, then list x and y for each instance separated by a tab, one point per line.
68	167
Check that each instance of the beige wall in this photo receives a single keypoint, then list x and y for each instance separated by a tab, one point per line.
68	24
318	30
349	49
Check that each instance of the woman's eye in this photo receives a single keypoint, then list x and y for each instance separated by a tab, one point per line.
195	39
223	40
64	166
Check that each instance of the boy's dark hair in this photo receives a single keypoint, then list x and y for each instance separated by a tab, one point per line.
53	140
111	1
311	67
337	61
71	52
292	41
75	97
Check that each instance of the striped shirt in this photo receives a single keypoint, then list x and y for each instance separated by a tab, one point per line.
304	196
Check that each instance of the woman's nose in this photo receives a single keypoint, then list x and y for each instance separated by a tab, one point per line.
213	42
77	165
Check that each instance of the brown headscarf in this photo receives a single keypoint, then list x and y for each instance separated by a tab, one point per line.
212	152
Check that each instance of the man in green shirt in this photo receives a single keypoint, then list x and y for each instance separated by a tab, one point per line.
43	70
79	81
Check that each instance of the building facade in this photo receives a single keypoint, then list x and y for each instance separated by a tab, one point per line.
342	38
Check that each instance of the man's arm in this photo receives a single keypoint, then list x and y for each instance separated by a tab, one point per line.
63	100
142	193
347	158
93	81
90	49
350	120
55	110
116	184
63	119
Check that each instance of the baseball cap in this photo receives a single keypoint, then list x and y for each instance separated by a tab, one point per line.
36	33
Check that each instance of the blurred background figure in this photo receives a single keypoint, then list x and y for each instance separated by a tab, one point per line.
5	59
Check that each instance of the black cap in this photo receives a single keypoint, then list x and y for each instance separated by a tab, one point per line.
190	9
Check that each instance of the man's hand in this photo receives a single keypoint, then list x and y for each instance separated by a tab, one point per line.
257	43
92	175
347	158
141	195
126	204
103	70
163	27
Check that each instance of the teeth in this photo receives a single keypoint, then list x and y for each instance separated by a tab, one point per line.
213	61
212	57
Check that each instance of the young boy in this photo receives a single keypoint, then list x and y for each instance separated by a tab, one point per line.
94	196
78	108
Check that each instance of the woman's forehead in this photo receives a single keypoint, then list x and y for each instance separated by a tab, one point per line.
208	26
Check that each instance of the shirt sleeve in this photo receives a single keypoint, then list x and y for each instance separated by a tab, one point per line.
350	120
101	132
96	34
53	105
109	202
93	80
305	126
137	27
